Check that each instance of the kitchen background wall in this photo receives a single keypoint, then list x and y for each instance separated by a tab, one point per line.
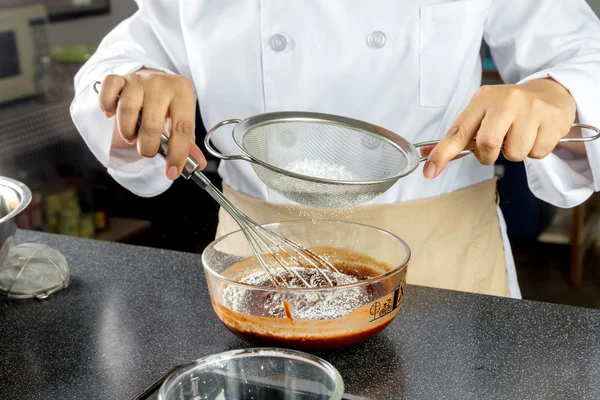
595	4
91	30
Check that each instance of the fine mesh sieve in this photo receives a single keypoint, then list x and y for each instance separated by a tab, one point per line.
371	158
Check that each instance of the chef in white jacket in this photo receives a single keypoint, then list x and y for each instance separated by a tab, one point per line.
413	67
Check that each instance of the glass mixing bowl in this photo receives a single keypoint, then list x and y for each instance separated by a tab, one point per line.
260	373
310	318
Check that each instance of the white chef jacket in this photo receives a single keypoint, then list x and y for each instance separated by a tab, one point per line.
410	66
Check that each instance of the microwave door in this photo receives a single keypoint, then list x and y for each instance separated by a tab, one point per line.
10	67
18	65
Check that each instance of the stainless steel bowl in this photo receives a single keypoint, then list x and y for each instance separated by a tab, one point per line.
14	197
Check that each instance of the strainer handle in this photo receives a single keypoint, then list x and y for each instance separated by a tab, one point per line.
582	139
214	151
434	142
564	140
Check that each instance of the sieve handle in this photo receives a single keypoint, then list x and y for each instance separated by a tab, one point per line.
582	139
434	142
214	151
563	140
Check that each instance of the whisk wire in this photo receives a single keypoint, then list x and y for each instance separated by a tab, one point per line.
259	238
312	255
237	215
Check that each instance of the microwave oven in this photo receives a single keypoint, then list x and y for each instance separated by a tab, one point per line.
23	46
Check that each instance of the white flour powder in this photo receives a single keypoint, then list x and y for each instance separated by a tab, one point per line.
320	195
308	306
321	169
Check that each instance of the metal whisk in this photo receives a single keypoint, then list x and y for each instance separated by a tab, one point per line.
266	245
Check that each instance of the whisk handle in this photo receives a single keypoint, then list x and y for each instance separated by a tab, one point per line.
191	165
190	170
434	142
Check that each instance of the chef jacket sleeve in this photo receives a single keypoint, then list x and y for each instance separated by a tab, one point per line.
558	39
134	44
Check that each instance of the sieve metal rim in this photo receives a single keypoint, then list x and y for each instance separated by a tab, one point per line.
398	142
246	125
408	149
39	295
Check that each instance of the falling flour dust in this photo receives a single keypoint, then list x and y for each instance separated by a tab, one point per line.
303	192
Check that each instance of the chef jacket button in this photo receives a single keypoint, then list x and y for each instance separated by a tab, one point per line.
278	42
376	39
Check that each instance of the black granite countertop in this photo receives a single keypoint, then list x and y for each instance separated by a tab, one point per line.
131	313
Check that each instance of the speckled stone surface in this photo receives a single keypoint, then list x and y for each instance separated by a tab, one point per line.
131	313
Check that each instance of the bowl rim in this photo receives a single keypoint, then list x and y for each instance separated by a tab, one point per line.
279	352
402	265
24	193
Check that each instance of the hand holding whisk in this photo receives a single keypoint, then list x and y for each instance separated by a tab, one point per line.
276	254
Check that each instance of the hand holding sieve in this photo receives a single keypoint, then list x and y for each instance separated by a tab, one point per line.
376	157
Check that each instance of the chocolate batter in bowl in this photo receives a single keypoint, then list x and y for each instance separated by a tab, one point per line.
367	295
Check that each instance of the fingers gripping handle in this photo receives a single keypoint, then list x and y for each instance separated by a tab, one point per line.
434	142
191	165
564	140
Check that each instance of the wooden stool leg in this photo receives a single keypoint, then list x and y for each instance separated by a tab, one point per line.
577	247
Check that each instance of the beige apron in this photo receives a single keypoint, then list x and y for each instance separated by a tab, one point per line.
455	239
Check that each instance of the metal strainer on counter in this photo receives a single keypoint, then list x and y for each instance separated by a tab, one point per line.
29	270
324	160
33	270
